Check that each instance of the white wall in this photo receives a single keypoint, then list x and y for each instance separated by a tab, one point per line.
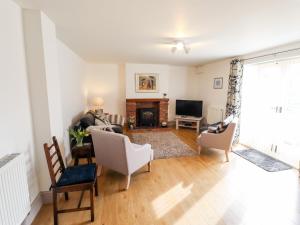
116	82
16	133
72	71
163	85
173	80
56	78
107	81
44	85
52	76
201	84
179	87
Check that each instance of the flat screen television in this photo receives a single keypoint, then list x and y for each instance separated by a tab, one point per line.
189	108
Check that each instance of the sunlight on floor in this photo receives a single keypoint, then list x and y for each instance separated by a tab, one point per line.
203	210
167	201
256	205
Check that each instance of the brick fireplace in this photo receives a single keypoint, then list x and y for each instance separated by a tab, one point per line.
148	112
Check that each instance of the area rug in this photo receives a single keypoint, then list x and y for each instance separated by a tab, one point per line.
262	160
164	144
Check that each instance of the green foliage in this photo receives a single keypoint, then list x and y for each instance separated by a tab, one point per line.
78	135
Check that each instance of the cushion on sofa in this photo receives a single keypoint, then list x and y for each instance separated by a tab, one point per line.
117	128
87	120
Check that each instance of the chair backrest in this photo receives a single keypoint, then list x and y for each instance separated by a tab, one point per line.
54	160
111	150
229	133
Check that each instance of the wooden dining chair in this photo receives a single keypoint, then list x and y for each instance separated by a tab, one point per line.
64	180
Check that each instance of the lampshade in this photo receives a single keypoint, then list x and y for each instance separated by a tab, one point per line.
97	101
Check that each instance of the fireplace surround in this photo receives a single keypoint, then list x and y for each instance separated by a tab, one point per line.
147	113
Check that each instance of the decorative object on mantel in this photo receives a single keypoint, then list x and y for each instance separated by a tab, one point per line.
218	83
146	82
164	95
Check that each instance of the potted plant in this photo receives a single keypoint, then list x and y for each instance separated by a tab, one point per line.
78	136
131	122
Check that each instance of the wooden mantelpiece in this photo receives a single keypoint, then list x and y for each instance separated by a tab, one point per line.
161	103
147	100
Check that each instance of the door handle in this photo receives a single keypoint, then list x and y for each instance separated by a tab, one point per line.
278	109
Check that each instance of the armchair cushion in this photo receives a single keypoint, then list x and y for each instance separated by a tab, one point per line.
220	126
77	175
217	129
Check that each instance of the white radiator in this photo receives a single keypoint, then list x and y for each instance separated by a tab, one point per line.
14	195
214	114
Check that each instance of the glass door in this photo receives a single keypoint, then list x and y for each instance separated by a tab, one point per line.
270	107
260	99
288	136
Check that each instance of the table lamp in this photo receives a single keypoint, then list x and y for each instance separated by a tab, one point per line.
97	102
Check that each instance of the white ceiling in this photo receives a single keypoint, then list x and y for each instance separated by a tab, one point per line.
139	30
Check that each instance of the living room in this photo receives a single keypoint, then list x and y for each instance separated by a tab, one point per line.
206	91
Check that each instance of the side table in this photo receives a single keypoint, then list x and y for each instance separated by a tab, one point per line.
84	151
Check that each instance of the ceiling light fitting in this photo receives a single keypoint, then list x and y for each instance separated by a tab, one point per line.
180	45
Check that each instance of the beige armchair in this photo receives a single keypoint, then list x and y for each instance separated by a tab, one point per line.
116	152
221	141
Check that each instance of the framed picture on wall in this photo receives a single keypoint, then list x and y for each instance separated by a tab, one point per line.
146	82
218	83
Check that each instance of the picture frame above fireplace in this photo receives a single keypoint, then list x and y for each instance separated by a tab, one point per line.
147	82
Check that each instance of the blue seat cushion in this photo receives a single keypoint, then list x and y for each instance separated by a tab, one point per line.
77	175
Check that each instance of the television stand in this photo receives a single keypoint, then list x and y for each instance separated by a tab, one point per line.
188	122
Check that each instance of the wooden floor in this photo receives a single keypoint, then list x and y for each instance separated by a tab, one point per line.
200	190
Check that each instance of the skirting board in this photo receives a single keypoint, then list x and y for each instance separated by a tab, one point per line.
172	123
47	197
35	208
44	197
